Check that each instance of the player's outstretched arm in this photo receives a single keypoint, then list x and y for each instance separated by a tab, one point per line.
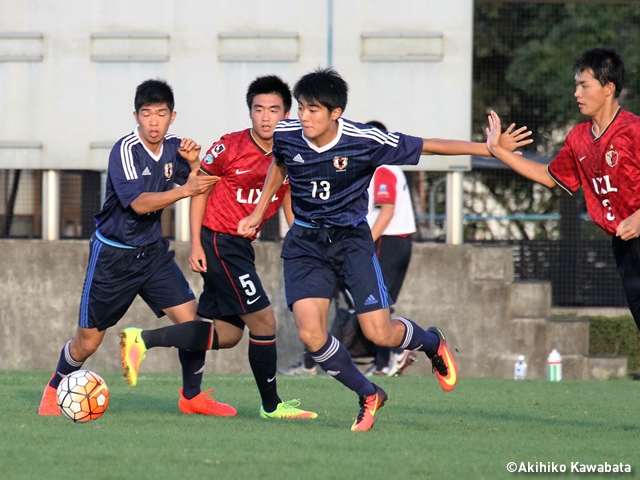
511	139
525	167
275	176
148	202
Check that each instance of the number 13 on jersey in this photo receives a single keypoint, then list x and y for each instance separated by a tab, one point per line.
321	190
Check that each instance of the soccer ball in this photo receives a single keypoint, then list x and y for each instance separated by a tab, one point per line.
83	396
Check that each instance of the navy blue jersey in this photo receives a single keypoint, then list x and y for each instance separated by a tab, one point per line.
329	184
133	170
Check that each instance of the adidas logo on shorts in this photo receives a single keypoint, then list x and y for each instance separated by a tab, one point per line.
371	300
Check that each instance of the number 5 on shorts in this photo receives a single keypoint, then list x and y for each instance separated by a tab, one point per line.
247	285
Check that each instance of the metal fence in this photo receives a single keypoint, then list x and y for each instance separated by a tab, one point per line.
523	55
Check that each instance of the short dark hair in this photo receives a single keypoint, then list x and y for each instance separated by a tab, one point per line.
605	63
377	124
154	92
269	84
324	86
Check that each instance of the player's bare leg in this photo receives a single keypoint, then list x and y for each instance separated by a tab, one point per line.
311	319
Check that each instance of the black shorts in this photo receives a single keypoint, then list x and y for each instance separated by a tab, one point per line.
627	255
231	284
394	254
315	258
116	275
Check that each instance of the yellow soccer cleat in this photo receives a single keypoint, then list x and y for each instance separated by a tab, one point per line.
287	409
133	352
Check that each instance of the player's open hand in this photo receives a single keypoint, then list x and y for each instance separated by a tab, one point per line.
198	184
197	259
494	133
629	228
189	150
511	138
248	225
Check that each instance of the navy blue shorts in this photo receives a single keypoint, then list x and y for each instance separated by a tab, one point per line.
116	275
231	284
315	258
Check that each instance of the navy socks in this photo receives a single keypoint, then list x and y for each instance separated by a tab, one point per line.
334	359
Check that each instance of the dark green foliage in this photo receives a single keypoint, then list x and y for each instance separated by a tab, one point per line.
616	336
523	61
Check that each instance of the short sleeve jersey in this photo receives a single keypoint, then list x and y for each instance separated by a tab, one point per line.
329	183
242	166
607	167
389	187
134	170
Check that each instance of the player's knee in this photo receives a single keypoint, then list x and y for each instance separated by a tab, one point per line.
380	336
81	349
229	340
313	340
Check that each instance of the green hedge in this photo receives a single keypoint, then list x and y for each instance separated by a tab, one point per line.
616	336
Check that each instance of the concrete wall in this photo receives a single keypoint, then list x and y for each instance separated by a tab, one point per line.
466	290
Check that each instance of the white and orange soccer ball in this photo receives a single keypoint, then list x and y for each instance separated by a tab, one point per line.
83	396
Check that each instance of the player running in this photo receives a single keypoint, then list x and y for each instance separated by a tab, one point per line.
128	256
602	156
329	162
233	295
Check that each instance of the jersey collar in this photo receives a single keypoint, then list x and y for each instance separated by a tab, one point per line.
151	154
329	145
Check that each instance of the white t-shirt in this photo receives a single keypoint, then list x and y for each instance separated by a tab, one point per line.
389	186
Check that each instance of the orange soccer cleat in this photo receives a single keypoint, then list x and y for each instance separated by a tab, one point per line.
444	366
204	404
49	402
368	408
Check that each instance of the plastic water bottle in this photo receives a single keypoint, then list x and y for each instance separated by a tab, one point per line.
554	366
520	369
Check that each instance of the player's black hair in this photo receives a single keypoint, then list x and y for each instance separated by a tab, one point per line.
377	124
605	63
154	92
324	86
267	85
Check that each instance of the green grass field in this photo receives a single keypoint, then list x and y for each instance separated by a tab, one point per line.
423	432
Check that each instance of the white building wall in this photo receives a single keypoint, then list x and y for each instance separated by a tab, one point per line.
69	69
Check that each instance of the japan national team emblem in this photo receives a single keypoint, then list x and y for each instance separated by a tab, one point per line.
340	162
611	157
168	170
208	159
218	149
